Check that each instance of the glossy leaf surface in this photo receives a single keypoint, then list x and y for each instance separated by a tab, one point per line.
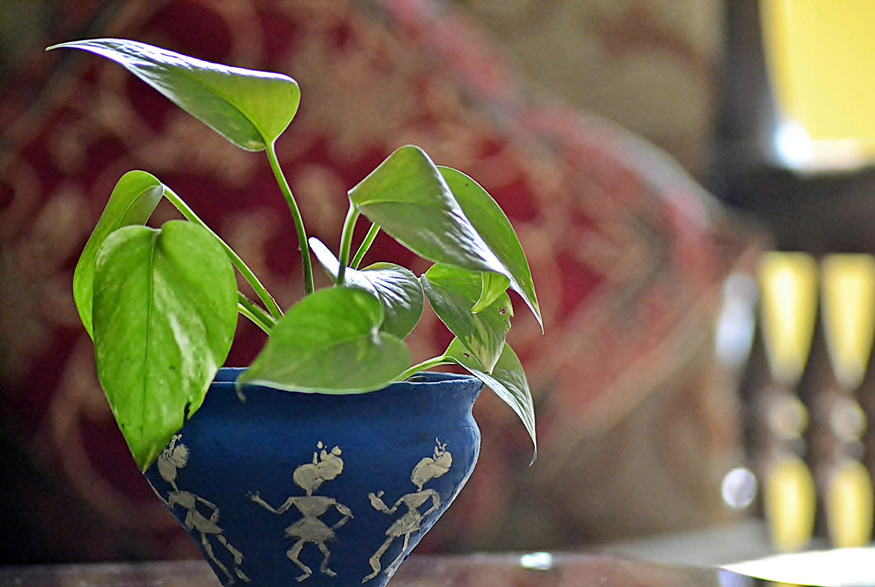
407	198
397	288
165	311
132	201
330	342
452	292
492	285
492	224
249	108
507	380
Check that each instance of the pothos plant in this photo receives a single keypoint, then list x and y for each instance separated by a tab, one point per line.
161	304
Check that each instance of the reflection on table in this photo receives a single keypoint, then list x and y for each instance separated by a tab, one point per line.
526	570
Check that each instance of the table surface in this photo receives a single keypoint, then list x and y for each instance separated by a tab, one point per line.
530	570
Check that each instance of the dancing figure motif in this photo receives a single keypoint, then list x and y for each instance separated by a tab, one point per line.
410	521
310	529
175	457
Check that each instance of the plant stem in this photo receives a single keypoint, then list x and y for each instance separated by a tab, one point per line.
427	364
366	244
296	217
254	313
243	311
346	242
241	266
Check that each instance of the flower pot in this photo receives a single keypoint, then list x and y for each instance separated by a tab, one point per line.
277	488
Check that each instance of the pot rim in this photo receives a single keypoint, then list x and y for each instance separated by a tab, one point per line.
227	376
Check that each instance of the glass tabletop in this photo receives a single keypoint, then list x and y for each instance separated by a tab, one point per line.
522	570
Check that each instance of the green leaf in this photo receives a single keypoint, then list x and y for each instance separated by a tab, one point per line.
491	223
492	286
133	200
249	108
399	291
165	311
330	342
407	197
507	380
397	288
452	292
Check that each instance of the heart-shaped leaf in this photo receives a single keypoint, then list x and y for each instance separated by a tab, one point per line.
330	342
407	198
452	292
133	200
399	291
397	288
165	311
507	380
249	108
491	223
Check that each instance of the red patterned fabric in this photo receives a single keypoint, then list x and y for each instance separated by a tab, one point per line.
627	253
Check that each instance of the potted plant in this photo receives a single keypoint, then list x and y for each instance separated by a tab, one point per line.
330	431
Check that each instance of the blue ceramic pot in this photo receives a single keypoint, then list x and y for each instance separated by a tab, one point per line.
279	488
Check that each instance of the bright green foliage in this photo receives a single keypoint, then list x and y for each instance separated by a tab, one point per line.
132	201
249	108
451	292
165	311
397	288
493	226
507	380
161	304
330	342
407	198
492	286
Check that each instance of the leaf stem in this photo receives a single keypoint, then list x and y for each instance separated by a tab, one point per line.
346	242
241	266
254	313
296	217
425	365
366	244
